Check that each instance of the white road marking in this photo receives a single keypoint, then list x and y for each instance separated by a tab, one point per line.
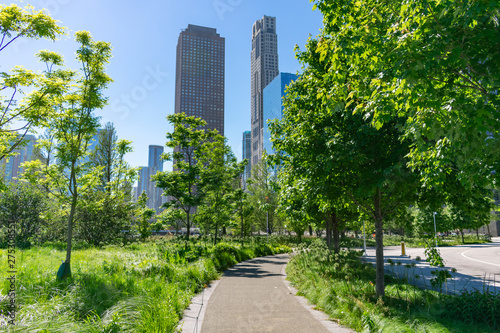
484	262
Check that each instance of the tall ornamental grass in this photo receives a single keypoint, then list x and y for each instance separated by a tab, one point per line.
141	287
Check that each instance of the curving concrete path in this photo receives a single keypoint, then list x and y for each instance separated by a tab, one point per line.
254	297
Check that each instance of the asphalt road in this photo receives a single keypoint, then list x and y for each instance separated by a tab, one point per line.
478	266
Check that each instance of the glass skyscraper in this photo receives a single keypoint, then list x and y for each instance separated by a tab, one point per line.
155	164
273	104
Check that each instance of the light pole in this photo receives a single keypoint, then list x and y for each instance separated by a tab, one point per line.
435	232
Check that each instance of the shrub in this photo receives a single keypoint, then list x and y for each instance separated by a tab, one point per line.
101	218
475	307
23	204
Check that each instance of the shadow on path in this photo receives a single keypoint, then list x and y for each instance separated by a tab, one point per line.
251	297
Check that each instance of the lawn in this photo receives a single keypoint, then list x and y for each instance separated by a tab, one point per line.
141	287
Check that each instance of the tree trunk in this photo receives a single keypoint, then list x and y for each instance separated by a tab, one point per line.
477	233
379	245
188	224
65	269
328	233
216	233
241	234
310	230
335	232
462	234
70	229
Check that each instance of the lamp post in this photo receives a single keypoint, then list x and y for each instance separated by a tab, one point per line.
435	232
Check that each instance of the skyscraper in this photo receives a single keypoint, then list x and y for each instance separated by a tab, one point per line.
199	79
273	104
155	164
247	153
264	68
154	158
11	167
143	182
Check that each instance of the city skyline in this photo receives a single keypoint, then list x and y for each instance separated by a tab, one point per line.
144	42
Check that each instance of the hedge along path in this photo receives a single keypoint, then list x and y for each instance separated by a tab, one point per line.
252	297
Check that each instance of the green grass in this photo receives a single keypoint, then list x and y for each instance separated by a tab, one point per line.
135	288
343	287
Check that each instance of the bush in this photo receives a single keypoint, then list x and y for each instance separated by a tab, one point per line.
23	205
101	218
474	307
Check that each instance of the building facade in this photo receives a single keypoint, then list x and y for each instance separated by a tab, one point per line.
199	80
273	104
246	153
142	183
11	167
155	164
264	68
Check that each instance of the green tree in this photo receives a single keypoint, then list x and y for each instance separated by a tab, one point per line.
102	218
35	89
73	125
117	175
105	154
341	155
243	209
446	51
218	177
172	218
263	198
23	205
182	184
144	215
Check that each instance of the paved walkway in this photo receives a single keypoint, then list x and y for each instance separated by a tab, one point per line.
253	297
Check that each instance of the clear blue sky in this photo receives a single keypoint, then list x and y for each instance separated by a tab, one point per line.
144	38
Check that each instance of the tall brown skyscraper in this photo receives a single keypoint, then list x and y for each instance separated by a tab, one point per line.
199	80
264	69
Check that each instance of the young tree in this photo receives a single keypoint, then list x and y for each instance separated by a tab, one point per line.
73	124
17	119
217	182
102	218
182	184
263	197
25	205
105	154
144	216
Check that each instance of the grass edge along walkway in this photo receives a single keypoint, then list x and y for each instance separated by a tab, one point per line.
252	296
